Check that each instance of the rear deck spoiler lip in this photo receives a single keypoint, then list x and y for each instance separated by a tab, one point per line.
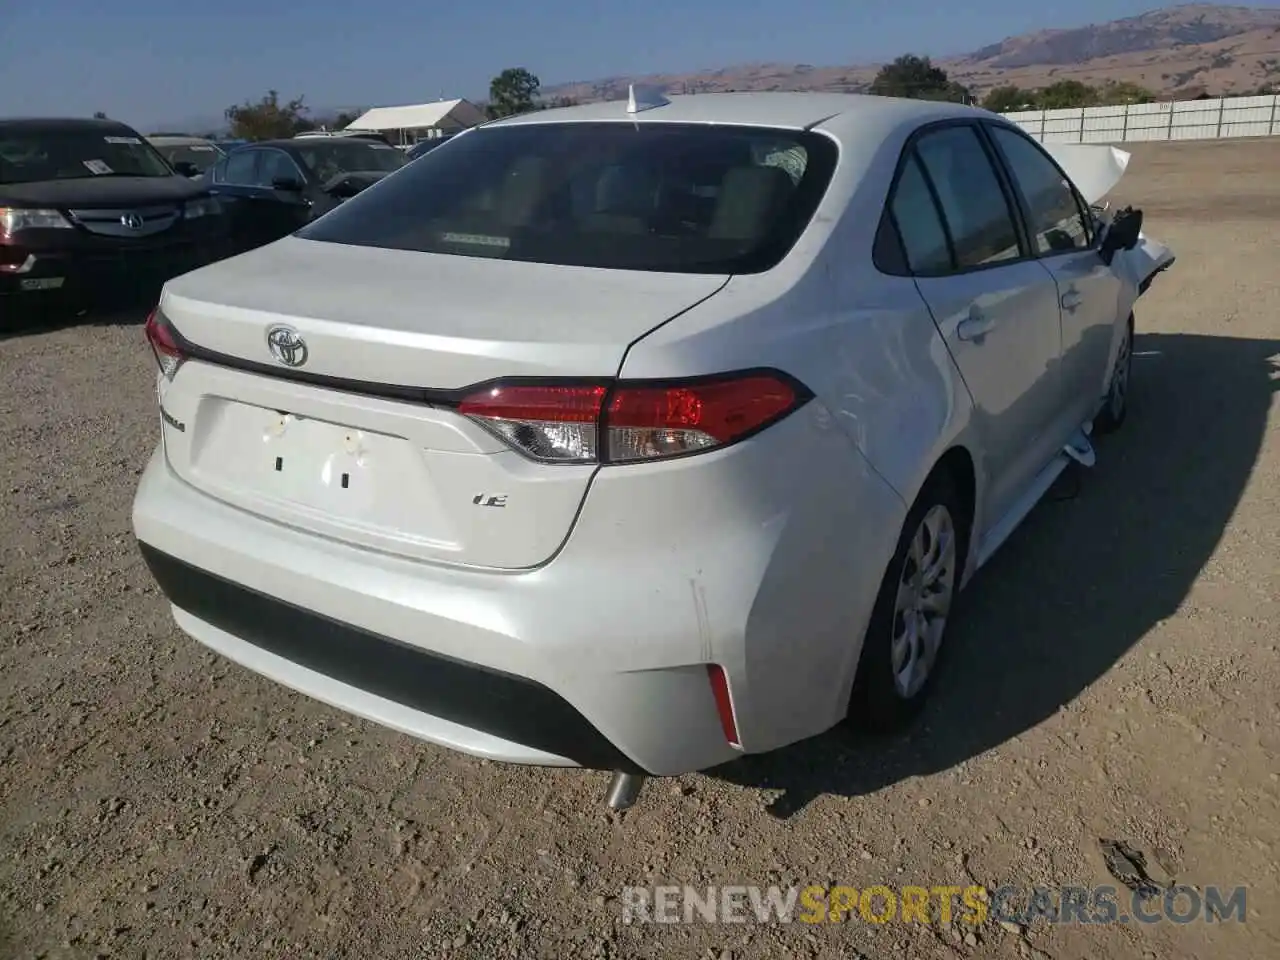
384	391
448	398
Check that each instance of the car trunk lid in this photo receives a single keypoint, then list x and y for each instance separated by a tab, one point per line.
427	320
369	449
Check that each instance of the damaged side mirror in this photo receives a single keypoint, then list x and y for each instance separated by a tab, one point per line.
1122	234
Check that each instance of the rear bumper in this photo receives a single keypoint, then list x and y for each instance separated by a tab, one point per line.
493	704
742	558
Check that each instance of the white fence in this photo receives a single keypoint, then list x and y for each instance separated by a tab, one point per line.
1171	120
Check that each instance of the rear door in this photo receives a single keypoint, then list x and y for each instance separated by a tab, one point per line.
1060	230
995	306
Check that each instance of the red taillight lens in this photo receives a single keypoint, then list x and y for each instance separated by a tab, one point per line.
164	345
652	422
566	423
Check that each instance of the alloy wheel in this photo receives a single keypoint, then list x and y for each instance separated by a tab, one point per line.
926	589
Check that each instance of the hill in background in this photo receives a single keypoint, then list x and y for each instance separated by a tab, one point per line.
1176	52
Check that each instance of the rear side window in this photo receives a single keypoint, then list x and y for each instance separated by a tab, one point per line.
977	213
687	198
242	167
923	236
1056	220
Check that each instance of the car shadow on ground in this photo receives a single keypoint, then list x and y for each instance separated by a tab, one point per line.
1093	569
31	324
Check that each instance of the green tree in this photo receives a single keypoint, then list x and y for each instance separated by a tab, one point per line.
1010	98
1114	93
555	103
268	119
1066	93
512	91
918	79
346	118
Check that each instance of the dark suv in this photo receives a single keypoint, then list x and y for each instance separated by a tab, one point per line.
92	216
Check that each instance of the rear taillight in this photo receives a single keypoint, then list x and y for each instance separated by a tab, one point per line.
633	421
164	345
554	424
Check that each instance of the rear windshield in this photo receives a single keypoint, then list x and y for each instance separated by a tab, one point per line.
329	157
688	198
32	155
202	155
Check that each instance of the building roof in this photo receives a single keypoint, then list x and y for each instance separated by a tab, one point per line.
416	116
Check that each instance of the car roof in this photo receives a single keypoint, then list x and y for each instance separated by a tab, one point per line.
295	143
177	141
796	111
63	124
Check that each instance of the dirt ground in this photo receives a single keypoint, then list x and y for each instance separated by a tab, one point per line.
1115	674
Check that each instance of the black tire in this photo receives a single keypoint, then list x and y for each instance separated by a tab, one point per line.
1115	407
876	704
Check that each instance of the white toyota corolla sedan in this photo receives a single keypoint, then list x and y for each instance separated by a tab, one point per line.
639	435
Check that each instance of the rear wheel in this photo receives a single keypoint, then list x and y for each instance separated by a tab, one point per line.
912	611
1116	406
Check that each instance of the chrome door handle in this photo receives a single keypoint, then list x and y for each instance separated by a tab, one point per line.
1070	300
977	326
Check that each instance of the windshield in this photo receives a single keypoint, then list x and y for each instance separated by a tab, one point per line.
30	155
201	155
333	157
652	196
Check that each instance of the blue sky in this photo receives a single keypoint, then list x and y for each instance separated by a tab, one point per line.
153	61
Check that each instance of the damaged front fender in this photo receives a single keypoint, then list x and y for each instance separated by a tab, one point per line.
1140	265
1095	170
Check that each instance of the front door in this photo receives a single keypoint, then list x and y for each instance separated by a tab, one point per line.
234	186
282	210
1061	233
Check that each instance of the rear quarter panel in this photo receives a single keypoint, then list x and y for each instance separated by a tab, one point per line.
864	342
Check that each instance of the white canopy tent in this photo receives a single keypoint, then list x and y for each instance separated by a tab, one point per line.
421	120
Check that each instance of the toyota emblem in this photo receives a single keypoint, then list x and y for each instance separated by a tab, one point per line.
132	221
286	346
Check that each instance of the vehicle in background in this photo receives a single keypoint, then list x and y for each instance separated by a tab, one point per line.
189	156
272	188
641	435
92	216
423	147
226	146
358	134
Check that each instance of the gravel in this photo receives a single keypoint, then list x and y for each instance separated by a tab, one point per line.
1114	674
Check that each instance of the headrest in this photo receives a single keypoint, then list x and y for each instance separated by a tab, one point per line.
750	197
522	190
